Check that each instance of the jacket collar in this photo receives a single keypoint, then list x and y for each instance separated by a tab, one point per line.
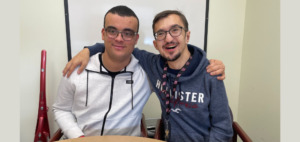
94	64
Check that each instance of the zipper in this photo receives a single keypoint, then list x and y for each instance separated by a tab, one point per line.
110	102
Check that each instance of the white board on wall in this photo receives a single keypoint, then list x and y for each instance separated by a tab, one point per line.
85	20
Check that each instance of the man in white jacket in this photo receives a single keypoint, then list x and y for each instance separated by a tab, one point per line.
110	94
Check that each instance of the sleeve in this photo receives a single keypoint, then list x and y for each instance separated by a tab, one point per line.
94	49
221	118
145	58
62	109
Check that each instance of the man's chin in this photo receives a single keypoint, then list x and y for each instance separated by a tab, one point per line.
174	58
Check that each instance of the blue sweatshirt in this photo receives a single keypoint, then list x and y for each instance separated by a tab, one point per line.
203	113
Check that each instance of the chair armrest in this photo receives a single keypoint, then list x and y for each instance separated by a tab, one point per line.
144	127
159	130
238	131
56	136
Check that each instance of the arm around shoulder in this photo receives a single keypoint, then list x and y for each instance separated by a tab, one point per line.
81	59
96	48
216	67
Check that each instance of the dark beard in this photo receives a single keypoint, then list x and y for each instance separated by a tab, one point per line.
175	58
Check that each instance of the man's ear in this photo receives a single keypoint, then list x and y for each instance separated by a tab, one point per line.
102	33
155	44
137	38
188	33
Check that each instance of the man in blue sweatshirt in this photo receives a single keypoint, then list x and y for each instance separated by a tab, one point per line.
194	104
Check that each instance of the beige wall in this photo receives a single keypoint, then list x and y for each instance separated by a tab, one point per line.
225	41
243	34
259	97
289	70
9	74
42	27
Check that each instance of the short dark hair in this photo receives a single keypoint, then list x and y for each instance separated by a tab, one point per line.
165	14
123	11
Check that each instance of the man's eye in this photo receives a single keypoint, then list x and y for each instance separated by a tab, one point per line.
175	30
128	33
160	33
112	31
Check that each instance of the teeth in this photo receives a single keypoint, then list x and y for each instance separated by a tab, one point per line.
171	47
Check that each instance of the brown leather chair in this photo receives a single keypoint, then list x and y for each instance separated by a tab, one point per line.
58	134
237	131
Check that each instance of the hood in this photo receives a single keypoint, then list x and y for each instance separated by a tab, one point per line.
198	64
94	64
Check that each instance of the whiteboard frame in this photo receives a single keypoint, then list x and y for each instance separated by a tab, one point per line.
68	33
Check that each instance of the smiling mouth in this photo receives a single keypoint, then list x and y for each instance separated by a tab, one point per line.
118	46
170	47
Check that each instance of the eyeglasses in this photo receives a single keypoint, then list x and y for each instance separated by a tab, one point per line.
126	34
174	32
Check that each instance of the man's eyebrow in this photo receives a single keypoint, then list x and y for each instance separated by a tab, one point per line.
175	25
111	27
126	29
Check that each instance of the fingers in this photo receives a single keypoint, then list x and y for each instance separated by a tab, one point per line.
221	77
216	70
211	66
66	68
212	61
83	62
71	69
81	59
82	67
216	67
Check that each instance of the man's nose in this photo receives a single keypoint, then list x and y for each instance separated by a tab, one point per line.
169	37
119	37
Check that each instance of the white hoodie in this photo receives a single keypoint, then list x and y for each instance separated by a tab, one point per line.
108	107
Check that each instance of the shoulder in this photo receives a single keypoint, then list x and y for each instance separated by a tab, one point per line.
94	63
